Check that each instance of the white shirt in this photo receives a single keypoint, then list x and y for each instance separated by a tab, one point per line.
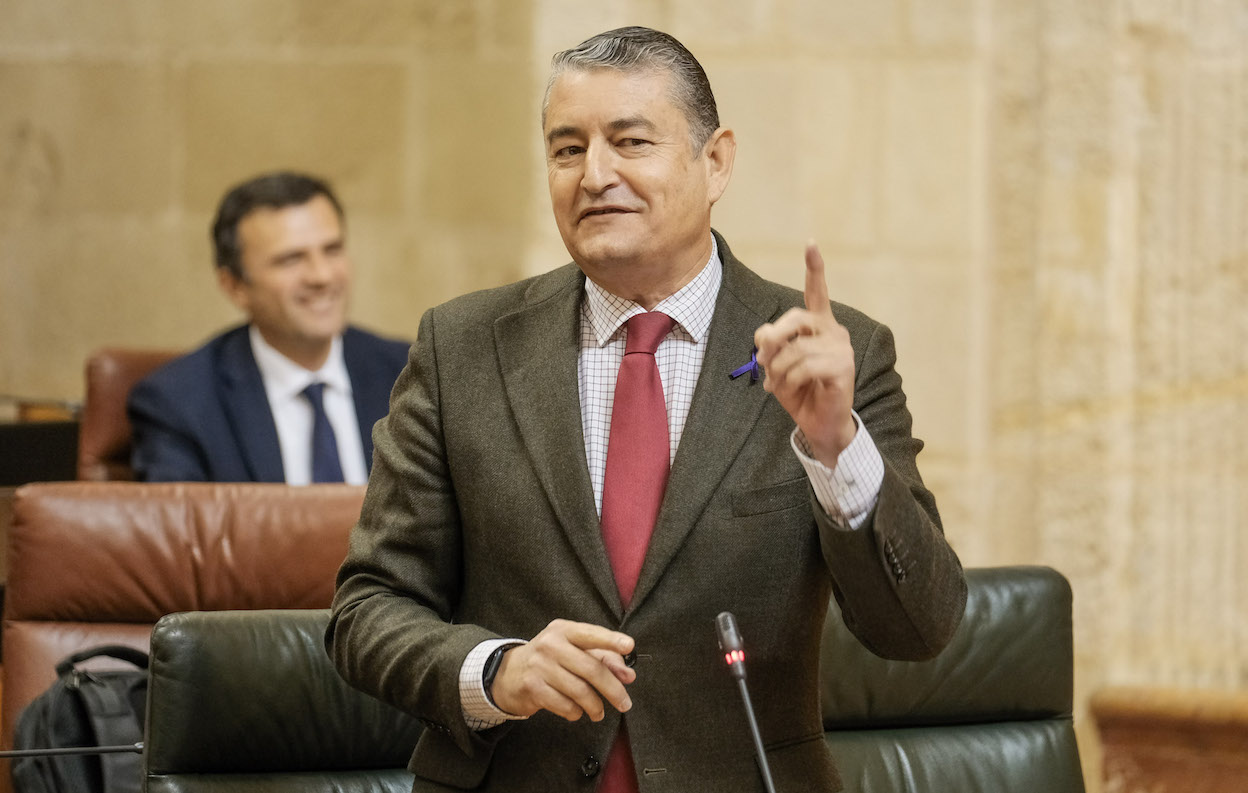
284	381
679	357
847	493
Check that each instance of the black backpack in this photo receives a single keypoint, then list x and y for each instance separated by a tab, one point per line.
85	708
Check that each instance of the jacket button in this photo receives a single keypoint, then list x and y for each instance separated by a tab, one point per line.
590	767
631	659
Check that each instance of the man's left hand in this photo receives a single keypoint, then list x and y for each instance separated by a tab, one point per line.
809	367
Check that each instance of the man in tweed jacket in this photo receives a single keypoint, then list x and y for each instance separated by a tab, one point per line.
478	593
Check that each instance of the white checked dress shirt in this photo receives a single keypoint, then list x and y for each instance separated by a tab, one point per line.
847	493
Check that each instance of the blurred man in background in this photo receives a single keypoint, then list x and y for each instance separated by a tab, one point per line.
292	395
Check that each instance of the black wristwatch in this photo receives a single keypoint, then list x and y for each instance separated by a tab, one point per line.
490	670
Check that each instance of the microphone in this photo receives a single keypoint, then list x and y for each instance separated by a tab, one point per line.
733	648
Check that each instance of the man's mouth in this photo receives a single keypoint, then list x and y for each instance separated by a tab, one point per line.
598	211
320	302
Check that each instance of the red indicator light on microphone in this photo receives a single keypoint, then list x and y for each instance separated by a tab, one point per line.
734	657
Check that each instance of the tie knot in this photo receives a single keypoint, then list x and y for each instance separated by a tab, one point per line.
645	331
313	394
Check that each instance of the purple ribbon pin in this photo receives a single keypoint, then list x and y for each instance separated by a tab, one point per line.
750	366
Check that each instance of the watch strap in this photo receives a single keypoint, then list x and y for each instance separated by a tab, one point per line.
490	670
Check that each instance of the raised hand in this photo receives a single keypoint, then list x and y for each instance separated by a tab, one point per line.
809	366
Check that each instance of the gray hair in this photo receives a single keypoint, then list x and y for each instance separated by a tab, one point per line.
636	49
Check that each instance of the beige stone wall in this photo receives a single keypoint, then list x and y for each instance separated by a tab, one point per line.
1117	393
1044	198
122	123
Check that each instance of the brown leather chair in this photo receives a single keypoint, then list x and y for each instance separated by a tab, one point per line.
100	562
104	435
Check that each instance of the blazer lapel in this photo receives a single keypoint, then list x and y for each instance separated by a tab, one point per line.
721	416
538	347
247	407
369	392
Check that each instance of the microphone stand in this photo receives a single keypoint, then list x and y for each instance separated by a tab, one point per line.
763	768
734	653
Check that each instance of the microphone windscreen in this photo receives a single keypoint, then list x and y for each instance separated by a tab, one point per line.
729	636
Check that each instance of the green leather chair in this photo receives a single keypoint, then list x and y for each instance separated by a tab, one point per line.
247	701
990	714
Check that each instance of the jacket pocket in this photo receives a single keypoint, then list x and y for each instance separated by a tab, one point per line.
788	743
772	498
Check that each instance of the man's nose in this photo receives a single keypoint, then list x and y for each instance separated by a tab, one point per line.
319	268
600	169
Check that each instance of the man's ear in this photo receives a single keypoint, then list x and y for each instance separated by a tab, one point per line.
721	151
234	288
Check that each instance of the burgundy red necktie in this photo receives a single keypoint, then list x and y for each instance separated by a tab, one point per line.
638	454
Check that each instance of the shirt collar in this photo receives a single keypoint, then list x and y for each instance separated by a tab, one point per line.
285	378
691	306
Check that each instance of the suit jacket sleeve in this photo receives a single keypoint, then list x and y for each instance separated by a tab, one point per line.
900	586
390	632
164	450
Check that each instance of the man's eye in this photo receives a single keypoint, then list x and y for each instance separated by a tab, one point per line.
635	142
569	151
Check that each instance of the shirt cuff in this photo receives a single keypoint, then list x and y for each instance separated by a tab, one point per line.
479	712
849	492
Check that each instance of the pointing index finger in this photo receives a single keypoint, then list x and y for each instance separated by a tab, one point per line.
816	284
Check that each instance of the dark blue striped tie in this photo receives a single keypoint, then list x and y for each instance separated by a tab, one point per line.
325	464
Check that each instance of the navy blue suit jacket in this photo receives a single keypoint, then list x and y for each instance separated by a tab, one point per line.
204	417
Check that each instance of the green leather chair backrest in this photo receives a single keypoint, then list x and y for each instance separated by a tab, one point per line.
247	701
990	714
